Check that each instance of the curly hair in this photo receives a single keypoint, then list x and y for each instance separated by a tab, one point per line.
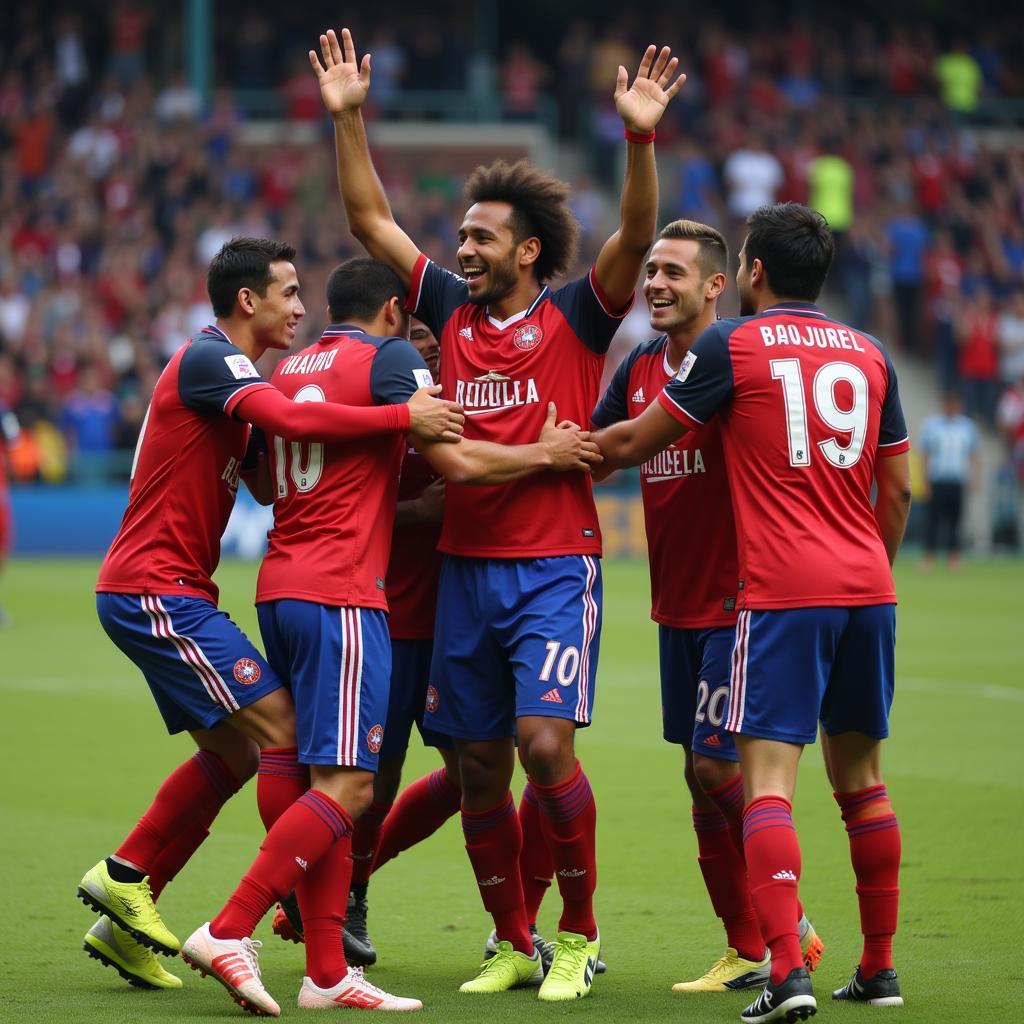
540	209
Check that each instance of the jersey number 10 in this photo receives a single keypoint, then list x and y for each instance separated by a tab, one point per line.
306	464
852	421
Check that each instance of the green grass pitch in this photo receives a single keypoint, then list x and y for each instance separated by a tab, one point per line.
83	750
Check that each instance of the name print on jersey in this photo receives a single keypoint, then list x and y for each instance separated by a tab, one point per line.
308	362
672	463
493	391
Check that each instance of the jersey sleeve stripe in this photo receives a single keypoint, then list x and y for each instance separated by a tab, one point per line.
677	412
419	271
603	299
894	447
236	396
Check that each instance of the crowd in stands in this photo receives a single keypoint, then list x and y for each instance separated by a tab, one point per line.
118	184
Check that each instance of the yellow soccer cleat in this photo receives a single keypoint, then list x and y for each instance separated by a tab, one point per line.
507	968
572	969
130	906
810	945
729	974
116	948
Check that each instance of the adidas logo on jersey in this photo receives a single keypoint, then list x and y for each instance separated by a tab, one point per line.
785	875
552	696
466	332
638	396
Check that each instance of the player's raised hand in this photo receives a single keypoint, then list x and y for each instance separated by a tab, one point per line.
434	419
344	82
568	447
641	104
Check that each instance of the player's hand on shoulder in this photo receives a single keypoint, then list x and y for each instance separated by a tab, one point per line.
435	419
641	104
568	447
344	81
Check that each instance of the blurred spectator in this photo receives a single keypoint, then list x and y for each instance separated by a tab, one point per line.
522	78
90	420
1010	334
830	178
950	445
753	176
979	356
960	79
908	241
178	101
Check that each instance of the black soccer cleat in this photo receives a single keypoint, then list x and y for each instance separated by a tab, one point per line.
792	999
359	951
881	990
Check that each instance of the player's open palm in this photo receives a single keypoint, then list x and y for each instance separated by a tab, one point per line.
641	104
344	82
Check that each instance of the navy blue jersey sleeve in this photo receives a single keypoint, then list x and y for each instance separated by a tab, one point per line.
892	429
586	309
704	382
613	407
212	372
434	294
396	372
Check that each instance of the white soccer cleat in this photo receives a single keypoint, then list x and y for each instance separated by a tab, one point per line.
352	992
235	964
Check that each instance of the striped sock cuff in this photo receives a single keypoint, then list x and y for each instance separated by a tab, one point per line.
705	822
564	800
282	761
728	797
330	813
439	782
220	777
530	795
767	812
855	804
476	822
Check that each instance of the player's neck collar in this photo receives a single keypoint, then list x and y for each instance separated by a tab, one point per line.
214	329
521	315
797	306
333	330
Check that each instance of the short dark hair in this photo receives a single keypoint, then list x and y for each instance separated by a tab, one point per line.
796	246
540	209
712	253
243	263
359	287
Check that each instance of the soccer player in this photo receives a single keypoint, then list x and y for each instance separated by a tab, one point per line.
156	597
322	610
693	589
519	604
810	420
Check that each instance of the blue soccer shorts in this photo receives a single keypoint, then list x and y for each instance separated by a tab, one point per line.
695	689
410	677
796	666
337	661
199	665
514	637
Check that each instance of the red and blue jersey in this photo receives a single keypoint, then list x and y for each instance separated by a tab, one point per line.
691	534
415	566
334	504
807	404
504	373
185	473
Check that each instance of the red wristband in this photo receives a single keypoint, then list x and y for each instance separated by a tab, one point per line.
640	138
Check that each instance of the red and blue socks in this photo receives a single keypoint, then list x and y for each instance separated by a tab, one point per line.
420	810
536	866
875	850
177	821
366	840
568	818
773	871
297	840
493	841
725	876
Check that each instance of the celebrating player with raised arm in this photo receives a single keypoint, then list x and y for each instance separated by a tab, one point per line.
693	589
156	597
322	612
810	420
519	604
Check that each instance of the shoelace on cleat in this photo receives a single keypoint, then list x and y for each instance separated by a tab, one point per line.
356	974
569	958
250	954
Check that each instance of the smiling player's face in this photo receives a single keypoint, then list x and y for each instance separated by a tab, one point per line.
674	283
425	343
487	252
278	312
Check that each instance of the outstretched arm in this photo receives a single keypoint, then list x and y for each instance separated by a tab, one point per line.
631	442
640	106
344	84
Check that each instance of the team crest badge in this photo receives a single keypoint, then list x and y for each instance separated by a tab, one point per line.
247	672
374	738
432	699
527	337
